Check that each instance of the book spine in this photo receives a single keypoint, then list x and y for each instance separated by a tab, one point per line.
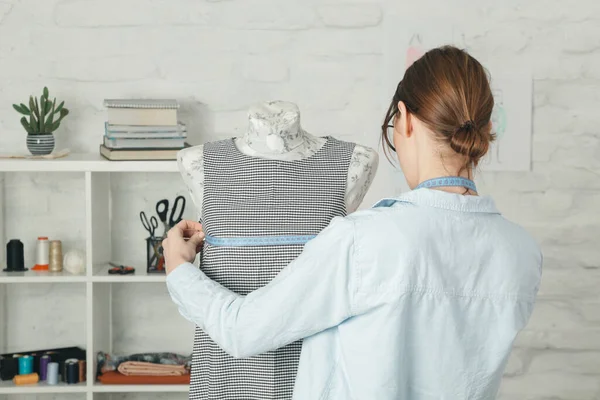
119	134
158	144
166	105
142	117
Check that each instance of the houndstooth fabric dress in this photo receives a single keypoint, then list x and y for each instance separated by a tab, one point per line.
247	196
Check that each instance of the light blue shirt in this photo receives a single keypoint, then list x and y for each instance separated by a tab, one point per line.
419	298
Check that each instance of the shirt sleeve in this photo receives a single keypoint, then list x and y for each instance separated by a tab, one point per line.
311	294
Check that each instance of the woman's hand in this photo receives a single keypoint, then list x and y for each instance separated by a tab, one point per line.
182	244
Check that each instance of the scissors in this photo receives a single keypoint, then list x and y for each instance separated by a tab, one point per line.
120	269
162	209
150	225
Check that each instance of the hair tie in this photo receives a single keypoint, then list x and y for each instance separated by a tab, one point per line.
468	126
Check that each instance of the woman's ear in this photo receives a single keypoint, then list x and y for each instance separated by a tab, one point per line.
404	120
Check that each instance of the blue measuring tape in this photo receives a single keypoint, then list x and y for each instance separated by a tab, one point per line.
447	181
257	240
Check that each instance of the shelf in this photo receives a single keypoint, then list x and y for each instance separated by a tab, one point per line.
98	313
40	277
8	387
85	162
101	275
100	388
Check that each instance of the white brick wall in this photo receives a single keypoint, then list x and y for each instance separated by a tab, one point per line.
217	57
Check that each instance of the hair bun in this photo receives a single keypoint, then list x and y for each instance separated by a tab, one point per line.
470	142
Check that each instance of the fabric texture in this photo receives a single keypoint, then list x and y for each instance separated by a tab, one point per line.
150	369
419	298
116	378
106	362
247	196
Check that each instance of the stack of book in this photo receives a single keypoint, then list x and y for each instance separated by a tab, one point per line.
142	130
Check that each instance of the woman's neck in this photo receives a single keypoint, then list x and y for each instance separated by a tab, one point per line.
274	128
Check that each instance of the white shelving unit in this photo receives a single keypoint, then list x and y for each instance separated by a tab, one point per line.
98	283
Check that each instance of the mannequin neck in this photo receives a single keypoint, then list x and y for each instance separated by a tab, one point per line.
274	128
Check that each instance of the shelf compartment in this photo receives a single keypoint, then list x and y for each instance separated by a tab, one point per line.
101	275
8	387
100	388
85	162
40	277
57	320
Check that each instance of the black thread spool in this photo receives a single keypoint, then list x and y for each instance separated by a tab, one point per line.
71	371
15	259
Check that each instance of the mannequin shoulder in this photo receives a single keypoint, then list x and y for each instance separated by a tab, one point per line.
364	156
190	158
191	152
361	172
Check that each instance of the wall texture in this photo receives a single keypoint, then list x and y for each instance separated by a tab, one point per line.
217	57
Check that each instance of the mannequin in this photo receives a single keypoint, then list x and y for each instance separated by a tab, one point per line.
277	181
274	132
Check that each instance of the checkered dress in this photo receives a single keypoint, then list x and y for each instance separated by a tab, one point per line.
247	196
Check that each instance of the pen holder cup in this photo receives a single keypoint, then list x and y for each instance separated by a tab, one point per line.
155	260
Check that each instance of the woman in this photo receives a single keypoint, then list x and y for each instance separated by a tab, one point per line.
420	297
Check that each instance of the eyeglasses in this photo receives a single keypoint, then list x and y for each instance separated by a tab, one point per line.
390	138
393	112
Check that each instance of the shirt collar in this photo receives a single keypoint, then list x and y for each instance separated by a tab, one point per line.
443	200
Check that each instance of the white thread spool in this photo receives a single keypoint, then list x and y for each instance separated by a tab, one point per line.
52	374
74	262
42	258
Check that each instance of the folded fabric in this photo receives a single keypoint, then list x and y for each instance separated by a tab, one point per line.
116	378
110	362
150	369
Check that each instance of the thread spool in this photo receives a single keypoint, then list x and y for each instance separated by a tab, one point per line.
82	371
72	367
52	373
8	368
15	258
42	257
25	365
28	379
56	256
64	367
44	361
74	262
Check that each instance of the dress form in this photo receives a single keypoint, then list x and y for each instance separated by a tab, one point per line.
274	132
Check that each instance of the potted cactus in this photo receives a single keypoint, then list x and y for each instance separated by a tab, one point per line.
40	120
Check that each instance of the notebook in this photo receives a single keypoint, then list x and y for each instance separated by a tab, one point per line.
142	112
139	154
141	103
144	128
140	132
144	143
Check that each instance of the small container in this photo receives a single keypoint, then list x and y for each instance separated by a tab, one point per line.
155	260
